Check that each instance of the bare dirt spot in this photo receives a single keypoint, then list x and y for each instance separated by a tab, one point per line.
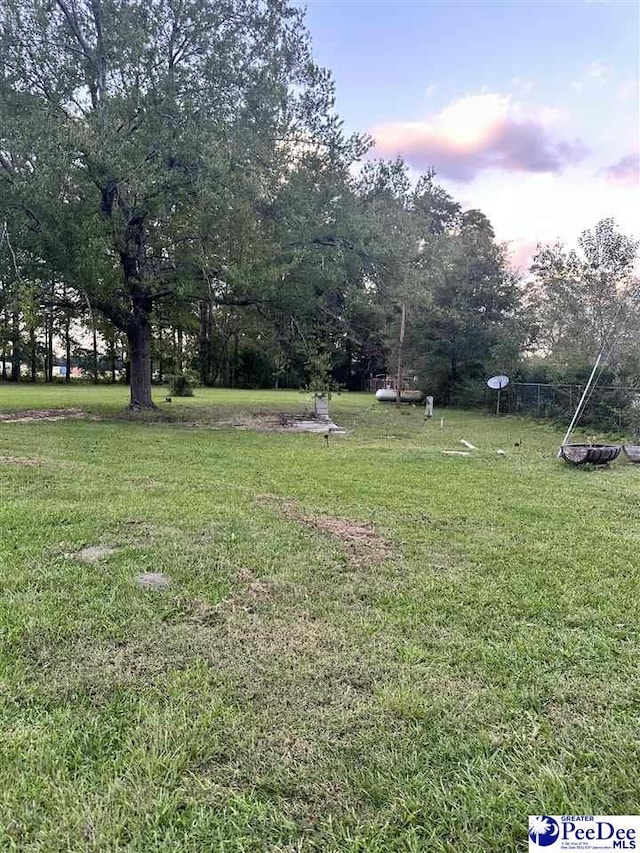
41	415
259	421
97	668
195	612
283	422
15	460
256	587
244	575
253	595
153	580
360	538
94	553
259	589
253	591
316	426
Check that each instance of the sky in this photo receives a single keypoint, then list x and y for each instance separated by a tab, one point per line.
527	110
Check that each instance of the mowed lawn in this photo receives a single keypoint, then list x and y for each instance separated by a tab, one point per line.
365	646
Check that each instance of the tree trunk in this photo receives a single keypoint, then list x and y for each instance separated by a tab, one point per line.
203	343
139	339
67	350
180	352
454	367
400	365
234	362
49	371
95	352
48	336
33	354
15	347
112	359
5	338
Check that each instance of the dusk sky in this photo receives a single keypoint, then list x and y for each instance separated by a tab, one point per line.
528	110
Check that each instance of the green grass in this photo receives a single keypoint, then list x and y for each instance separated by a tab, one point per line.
291	691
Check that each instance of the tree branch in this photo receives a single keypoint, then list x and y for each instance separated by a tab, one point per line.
77	32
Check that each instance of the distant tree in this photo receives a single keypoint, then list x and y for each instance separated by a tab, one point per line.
474	324
587	298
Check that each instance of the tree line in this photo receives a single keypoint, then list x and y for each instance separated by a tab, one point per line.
178	194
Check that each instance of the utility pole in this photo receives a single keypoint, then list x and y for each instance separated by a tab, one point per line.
400	342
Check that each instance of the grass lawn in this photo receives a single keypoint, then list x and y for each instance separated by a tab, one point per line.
368	646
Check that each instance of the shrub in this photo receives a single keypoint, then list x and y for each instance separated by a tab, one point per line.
181	385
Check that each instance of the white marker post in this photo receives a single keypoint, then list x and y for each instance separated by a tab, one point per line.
428	409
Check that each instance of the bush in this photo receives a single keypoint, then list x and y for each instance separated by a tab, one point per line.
181	385
321	382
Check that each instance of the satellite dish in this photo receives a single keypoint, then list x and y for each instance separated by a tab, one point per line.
498	382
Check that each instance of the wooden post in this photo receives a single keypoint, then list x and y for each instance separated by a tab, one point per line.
400	342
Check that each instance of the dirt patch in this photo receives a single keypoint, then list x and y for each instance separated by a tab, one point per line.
362	542
283	422
316	426
41	415
153	580
254	594
256	587
15	460
96	668
360	538
94	553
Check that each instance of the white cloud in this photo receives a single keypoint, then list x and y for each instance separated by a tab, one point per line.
522	87
526	209
628	90
595	74
598	71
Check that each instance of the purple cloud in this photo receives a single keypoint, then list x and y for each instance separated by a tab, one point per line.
476	134
625	171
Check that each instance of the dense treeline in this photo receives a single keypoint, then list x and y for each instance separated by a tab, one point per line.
178	195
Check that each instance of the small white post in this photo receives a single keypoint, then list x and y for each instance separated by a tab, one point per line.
428	409
322	407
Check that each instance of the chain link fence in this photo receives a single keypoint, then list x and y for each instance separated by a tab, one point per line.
607	406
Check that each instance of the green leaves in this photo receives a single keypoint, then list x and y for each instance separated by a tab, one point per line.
587	298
